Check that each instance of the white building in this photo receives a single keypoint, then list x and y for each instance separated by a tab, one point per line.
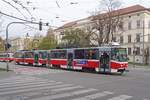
135	35
20	43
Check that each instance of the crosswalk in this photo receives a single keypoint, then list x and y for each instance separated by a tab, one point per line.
37	71
32	88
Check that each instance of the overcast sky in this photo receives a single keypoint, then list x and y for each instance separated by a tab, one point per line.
56	12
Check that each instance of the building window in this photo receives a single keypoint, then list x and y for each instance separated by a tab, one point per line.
148	37
130	25
137	50
149	24
137	37
114	39
121	26
129	51
138	23
121	39
114	28
129	38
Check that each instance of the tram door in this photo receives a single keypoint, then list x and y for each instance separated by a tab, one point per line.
104	61
36	58
70	59
49	59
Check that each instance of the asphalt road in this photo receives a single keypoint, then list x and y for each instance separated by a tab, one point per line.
34	83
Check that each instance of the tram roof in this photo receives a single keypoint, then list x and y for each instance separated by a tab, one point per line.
106	47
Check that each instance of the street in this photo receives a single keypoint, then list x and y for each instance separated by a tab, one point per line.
36	83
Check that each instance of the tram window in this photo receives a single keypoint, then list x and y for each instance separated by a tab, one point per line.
63	55
18	55
59	54
119	54
79	54
91	54
29	55
43	55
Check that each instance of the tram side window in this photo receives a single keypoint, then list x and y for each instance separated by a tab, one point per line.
91	54
54	54
59	55
18	55
63	55
29	55
43	55
79	54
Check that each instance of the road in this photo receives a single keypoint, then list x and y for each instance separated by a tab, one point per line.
34	83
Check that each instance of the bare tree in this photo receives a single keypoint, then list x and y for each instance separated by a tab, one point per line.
106	21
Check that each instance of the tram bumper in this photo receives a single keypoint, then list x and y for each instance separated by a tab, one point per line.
122	70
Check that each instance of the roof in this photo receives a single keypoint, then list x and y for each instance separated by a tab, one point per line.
123	11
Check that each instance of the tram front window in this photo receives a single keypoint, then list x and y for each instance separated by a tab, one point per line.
119	54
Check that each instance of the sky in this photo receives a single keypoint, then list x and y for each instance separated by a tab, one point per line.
55	12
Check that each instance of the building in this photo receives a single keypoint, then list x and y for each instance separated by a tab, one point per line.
20	43
17	43
134	34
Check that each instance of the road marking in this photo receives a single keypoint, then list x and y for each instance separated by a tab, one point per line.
24	84
29	86
16	78
66	88
121	97
94	96
58	96
51	86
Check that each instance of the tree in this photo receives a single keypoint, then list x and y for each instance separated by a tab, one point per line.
1	44
106	21
75	38
49	41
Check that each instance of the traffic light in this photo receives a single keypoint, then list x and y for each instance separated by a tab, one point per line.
40	25
7	46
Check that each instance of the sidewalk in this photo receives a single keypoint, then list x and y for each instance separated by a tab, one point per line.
139	66
4	73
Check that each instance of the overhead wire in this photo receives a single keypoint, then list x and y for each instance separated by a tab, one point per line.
23	7
15	8
44	24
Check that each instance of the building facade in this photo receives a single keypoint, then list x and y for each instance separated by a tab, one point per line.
133	35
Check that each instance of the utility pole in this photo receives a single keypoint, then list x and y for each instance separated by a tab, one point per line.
7	44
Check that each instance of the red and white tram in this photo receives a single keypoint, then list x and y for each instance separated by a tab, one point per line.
100	59
35	57
6	57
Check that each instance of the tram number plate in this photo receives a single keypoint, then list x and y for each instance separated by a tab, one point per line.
81	61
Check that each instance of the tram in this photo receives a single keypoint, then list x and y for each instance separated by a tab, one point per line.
34	57
6	57
24	57
100	59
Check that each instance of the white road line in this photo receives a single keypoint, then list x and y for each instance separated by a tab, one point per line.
25	84
22	81
28	86
66	88
121	97
58	96
18	79
94	96
51	86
